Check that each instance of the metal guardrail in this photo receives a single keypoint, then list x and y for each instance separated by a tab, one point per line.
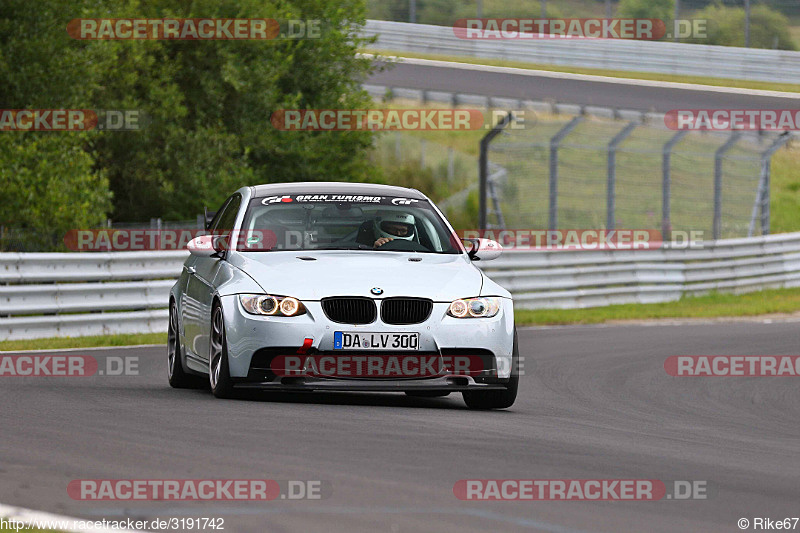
80	294
71	295
575	279
628	55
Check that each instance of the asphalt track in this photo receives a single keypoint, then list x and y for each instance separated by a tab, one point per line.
595	403
586	90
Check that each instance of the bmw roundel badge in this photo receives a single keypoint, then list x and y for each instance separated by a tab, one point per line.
376	291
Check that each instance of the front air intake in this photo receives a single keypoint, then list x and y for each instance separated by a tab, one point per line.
350	310
405	310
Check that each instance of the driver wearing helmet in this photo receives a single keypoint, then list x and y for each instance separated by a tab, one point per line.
391	225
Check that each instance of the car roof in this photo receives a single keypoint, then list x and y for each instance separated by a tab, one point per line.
335	187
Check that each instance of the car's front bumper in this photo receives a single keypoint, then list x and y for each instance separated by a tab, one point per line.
440	334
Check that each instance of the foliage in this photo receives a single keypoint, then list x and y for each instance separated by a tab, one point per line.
205	108
647	9
446	12
48	181
726	27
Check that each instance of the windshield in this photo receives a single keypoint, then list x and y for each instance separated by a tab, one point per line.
345	222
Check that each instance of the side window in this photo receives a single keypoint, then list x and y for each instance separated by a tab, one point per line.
226	218
215	221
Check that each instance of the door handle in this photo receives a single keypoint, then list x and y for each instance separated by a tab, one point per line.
191	270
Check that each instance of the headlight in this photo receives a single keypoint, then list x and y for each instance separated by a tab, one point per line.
484	307
269	305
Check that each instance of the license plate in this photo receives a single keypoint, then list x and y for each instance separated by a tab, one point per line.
376	341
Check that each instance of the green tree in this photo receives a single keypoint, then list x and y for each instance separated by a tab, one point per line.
48	180
207	103
211	101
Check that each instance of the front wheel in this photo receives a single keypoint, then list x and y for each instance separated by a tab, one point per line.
218	372
177	376
497	399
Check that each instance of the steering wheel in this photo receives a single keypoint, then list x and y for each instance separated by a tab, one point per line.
402	245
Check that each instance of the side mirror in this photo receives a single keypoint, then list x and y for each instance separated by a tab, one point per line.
208	245
484	249
201	246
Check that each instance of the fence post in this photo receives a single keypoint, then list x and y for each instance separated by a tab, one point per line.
451	165
747	23
490	184
555	141
763	193
666	186
483	167
720	153
611	193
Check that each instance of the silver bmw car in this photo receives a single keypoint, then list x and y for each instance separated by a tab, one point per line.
341	287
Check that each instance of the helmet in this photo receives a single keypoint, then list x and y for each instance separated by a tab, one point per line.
394	225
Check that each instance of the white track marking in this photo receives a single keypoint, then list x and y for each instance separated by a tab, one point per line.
58	522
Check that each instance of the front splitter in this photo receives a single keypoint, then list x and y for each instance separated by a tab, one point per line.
344	385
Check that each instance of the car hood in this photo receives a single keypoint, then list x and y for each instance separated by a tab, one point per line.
319	274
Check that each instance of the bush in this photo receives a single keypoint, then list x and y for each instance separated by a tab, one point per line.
647	9
48	185
726	27
446	12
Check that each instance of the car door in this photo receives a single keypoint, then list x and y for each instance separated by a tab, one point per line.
200	289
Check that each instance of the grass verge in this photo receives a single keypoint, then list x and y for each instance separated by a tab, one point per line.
652	76
4	528
714	305
57	343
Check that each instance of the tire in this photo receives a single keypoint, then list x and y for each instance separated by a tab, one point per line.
177	376
427	393
497	399
219	375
